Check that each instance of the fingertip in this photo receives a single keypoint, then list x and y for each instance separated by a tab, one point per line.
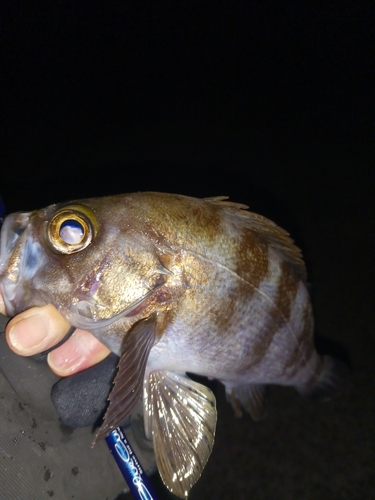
79	352
35	330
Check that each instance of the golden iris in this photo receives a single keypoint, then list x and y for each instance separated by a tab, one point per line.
72	229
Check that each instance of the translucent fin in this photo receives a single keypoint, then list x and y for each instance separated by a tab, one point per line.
128	382
333	380
274	235
251	398
181	416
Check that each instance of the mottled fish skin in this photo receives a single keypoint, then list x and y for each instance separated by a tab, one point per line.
222	292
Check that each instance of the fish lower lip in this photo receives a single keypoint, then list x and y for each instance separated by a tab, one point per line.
9	292
16	298
2	307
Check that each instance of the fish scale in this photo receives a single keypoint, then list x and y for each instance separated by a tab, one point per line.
173	284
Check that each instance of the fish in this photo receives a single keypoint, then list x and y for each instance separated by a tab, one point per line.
173	285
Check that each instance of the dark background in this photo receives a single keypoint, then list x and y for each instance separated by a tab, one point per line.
271	103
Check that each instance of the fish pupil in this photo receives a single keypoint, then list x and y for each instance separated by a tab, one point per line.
71	232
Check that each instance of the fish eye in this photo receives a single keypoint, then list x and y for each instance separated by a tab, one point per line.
72	229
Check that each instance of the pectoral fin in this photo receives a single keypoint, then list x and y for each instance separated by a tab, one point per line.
128	382
181	416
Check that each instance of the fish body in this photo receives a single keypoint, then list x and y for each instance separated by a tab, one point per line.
172	284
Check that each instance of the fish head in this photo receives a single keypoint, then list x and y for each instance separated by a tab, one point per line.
87	258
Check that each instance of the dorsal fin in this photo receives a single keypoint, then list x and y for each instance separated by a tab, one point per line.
275	236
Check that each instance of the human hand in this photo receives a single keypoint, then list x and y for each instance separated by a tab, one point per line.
40	328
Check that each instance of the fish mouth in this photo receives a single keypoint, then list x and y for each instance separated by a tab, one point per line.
20	258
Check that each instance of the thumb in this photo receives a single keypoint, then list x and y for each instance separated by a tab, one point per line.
36	330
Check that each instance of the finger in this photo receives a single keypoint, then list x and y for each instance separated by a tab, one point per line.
2	305
80	351
36	330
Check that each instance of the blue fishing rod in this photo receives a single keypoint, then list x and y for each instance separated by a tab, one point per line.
122	452
129	465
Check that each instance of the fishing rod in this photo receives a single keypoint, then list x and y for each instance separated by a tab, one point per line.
129	465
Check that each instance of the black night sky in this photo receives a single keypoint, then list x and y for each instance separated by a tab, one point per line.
271	103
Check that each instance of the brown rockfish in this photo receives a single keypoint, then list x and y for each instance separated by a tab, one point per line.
172	284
